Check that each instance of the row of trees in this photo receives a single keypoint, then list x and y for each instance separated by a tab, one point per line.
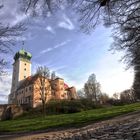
92	91
126	96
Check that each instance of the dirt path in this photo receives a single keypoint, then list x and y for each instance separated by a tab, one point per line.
122	127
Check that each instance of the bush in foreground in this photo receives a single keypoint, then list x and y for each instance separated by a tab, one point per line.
66	106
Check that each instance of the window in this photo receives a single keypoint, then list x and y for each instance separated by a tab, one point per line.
30	88
53	93
62	95
25	69
61	83
26	89
24	76
25	64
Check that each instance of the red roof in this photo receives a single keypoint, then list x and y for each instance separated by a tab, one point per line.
66	86
28	81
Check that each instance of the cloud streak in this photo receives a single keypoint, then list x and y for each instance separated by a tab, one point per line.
55	47
66	23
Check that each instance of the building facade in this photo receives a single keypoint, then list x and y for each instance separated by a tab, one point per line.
27	88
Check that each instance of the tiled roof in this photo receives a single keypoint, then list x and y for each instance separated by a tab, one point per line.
57	78
28	81
31	79
66	86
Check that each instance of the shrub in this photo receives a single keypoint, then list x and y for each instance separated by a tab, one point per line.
69	106
63	107
115	102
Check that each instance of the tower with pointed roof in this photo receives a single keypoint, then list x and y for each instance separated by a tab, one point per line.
21	70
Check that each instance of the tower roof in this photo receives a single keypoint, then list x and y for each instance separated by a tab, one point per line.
22	54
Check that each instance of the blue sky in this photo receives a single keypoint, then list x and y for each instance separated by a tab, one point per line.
57	43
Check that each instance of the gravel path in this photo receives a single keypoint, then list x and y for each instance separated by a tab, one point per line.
124	127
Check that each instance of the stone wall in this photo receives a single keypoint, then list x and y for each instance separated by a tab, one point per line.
8	112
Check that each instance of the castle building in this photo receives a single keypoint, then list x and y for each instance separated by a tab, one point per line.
26	88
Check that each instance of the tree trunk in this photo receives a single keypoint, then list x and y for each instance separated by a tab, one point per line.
43	108
136	84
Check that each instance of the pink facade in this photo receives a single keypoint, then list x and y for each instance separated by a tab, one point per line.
29	91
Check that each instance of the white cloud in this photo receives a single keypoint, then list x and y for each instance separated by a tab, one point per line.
61	44
58	68
66	23
50	29
109	72
5	85
55	47
19	18
10	13
69	82
46	50
112	74
118	82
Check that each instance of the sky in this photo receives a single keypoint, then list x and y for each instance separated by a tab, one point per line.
58	43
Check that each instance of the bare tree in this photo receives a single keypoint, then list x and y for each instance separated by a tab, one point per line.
127	96
123	16
53	75
136	83
103	98
92	88
43	85
81	93
116	96
40	7
8	38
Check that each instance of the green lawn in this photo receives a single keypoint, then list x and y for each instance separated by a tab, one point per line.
39	123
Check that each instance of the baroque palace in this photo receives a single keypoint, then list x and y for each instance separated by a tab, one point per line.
26	88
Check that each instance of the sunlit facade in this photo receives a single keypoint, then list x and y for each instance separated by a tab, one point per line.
26	88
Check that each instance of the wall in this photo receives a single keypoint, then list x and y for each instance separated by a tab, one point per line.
10	111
